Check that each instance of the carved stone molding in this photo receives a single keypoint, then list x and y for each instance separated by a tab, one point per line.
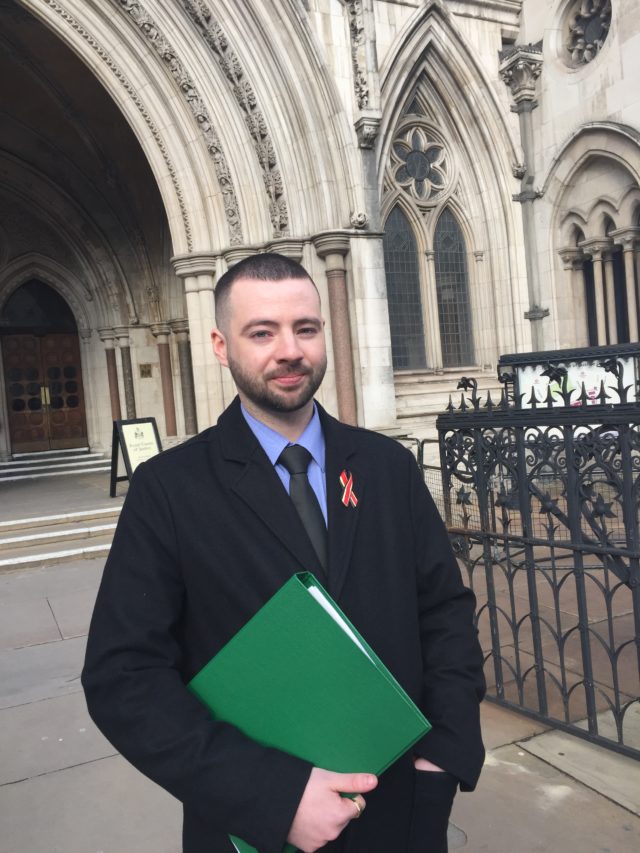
245	95
195	263
122	335
108	338
626	237
331	243
596	248
571	256
234	256
167	53
359	220
179	327
367	128
106	57
160	330
520	68
536	313
358	53
289	248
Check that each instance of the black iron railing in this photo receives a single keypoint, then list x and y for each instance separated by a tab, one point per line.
542	505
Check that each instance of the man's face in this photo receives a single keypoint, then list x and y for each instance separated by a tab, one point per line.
273	343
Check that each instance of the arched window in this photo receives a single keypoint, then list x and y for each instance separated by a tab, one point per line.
452	286
403	293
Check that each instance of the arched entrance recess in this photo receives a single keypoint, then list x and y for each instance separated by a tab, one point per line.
42	371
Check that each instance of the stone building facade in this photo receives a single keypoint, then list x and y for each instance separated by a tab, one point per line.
461	178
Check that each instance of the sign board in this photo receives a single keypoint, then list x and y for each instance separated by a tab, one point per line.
574	377
530	381
139	440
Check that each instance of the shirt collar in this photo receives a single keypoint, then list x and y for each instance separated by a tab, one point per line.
273	443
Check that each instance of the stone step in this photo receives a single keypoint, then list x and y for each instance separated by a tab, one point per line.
54	534
98	515
50	539
42	453
12	474
25	462
45	555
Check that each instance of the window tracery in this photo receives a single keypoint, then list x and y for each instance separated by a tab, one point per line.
589	22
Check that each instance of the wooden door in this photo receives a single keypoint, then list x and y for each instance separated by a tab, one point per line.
45	396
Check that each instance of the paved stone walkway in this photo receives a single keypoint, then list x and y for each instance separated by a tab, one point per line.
64	789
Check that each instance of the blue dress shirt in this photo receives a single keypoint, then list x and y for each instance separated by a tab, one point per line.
312	439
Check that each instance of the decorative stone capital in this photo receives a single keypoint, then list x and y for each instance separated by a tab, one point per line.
194	263
626	237
108	338
536	313
179	327
519	170
122	334
160	330
234	256
596	248
367	128
85	335
333	246
519	68
289	248
430	255
572	257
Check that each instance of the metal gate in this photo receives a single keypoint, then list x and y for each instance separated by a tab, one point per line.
542	508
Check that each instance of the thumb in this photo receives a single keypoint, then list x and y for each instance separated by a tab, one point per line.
353	783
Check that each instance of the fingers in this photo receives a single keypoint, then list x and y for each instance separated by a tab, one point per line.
352	783
360	804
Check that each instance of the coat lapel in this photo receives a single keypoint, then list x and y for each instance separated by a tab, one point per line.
341	455
254	479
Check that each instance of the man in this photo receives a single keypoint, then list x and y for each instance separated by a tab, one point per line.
209	533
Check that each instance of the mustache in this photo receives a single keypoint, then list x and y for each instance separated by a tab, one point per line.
286	370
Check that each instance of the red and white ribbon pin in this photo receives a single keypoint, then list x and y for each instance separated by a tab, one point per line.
348	496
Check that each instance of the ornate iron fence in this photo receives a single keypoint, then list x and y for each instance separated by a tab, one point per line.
542	508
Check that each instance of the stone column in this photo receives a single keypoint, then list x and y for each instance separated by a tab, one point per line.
573	263
161	332
596	250
430	300
180	328
332	247
122	334
610	291
520	67
627	238
108	338
198	271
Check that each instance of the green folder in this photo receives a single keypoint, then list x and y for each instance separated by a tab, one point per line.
299	677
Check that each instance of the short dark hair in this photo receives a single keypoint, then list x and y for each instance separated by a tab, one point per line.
266	266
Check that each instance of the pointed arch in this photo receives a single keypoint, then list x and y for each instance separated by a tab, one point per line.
402	269
432	68
452	288
64	282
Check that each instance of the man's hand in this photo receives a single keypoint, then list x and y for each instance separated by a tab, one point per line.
323	813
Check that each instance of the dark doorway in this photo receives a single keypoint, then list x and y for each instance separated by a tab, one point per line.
42	371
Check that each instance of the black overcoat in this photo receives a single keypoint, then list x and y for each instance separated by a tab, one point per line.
206	536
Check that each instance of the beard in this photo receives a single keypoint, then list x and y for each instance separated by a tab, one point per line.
256	388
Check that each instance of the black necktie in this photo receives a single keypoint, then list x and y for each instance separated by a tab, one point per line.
296	460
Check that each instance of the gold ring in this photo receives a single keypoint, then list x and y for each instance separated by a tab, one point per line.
358	807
